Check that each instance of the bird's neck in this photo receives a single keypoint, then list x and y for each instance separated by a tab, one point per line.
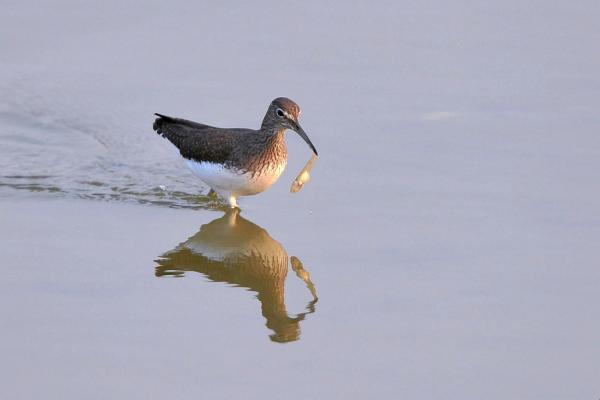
275	147
270	137
275	136
272	153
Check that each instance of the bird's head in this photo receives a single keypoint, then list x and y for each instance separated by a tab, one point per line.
282	114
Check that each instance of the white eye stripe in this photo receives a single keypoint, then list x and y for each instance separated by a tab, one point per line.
282	113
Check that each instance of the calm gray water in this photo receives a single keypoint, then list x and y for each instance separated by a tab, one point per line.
446	246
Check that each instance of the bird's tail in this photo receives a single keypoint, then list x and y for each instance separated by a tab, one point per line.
168	127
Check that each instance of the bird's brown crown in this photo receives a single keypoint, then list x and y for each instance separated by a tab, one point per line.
288	107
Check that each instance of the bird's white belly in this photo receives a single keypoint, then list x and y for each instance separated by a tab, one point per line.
230	182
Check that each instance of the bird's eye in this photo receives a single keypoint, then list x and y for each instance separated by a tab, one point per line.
279	112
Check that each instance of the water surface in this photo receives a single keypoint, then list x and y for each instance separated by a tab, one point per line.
445	247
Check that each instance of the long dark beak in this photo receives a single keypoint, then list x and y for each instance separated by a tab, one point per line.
304	136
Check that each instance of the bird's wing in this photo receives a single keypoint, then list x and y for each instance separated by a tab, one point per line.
197	141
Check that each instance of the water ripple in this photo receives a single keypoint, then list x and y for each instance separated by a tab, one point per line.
48	150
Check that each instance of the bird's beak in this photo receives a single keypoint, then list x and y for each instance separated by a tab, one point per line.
304	136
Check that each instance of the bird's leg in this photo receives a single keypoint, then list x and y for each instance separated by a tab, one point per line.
232	214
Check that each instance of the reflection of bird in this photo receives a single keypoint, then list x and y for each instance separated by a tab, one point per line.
236	162
232	249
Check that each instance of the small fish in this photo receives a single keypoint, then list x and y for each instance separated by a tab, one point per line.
303	176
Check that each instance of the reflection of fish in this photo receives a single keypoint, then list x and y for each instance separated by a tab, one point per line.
232	249
303	176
